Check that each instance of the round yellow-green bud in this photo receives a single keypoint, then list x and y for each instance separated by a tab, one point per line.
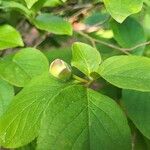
60	69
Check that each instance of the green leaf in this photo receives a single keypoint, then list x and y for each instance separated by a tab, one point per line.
53	24
30	146
30	3
52	3
121	9
137	105
24	65
127	72
85	58
37	6
21	122
83	120
109	89
96	18
146	22
60	53
140	142
12	73
6	95
9	37
129	34
12	5
32	61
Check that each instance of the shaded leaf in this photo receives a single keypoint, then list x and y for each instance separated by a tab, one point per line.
53	24
13	5
64	54
30	3
30	146
140	142
129	34
137	105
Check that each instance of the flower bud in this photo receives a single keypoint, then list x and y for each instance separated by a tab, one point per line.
60	69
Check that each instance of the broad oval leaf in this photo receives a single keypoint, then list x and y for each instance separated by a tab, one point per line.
21	122
32	61
129	34
17	6
137	105
9	37
6	95
127	72
85	58
53	24
121	9
83	120
24	65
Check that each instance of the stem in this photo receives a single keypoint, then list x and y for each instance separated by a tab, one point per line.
102	42
90	83
43	38
124	50
80	79
137	46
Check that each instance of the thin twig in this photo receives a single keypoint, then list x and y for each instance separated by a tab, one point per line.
20	24
80	79
137	46
124	50
43	38
102	42
82	6
93	43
